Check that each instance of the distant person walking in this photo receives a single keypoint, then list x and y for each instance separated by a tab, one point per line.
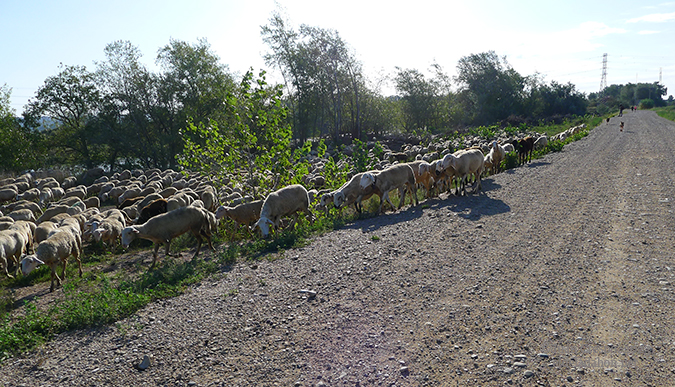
621	110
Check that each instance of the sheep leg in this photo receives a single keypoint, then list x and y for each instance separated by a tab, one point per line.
154	254
7	271
76	254
311	216
401	197
199	243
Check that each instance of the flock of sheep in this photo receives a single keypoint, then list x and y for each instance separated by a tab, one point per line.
46	217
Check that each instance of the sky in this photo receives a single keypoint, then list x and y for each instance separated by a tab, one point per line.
562	41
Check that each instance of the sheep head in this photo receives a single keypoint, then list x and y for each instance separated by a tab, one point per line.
264	225
128	235
29	263
338	199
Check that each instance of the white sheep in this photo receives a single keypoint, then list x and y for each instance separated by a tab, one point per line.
52	252
541	142
350	193
43	230
23	214
162	228
109	231
245	213
12	246
399	176
464	163
496	155
283	202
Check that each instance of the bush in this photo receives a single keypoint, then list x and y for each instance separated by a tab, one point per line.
510	161
646	103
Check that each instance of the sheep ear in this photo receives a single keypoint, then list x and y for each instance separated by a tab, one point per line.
135	231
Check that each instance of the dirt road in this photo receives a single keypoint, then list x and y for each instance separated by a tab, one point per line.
559	273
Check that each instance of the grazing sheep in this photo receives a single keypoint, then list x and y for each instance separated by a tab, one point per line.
32	194
399	176
43	230
245	213
23	214
109	231
24	204
352	193
508	148
209	198
46	196
26	228
284	202
52	252
147	200
540	143
132	192
92	202
464	163
78	192
7	194
168	192
164	227
12	246
156	207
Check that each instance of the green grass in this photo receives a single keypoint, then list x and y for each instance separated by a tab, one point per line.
667	112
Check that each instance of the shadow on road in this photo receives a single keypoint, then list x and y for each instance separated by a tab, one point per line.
471	207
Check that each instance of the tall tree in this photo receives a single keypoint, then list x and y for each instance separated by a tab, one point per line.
419	98
71	98
324	78
490	88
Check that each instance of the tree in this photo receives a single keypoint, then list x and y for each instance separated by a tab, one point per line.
489	87
419	99
71	98
324	79
256	138
18	151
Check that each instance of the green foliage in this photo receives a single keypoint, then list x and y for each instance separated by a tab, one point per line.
667	112
378	150
256	138
554	146
510	161
360	156
17	152
647	103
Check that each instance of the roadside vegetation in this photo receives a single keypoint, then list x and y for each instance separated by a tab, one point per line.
667	112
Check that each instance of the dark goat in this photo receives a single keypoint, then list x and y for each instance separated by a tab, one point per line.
524	148
155	208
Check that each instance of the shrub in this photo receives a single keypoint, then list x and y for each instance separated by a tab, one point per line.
646	103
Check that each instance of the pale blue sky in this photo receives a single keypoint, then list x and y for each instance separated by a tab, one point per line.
563	40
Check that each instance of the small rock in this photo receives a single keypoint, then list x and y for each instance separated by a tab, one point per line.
570	379
528	373
508	370
145	364
543	355
519	364
404	371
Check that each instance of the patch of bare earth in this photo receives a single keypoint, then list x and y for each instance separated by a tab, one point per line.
558	273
